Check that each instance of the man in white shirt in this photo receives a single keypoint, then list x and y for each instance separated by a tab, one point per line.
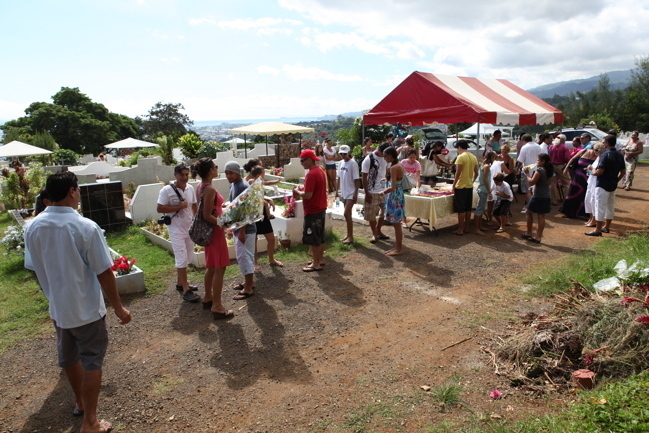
373	172
73	264
178	203
527	157
347	188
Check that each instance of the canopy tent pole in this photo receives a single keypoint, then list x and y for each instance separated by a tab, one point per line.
245	147
266	145
478	137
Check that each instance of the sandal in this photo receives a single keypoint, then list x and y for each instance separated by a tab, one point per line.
500	231
311	269
241	296
526	236
240	287
277	263
228	314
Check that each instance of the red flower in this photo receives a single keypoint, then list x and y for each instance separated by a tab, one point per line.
123	266
642	319
588	359
627	300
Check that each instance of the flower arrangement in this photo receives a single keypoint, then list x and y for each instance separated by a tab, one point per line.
247	208
122	265
277	171
289	210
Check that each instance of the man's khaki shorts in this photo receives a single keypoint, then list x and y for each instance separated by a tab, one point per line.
377	207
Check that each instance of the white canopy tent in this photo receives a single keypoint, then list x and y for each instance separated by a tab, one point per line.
269	128
18	148
129	143
235	140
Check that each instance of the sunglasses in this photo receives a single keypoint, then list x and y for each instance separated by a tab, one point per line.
342	153
303	159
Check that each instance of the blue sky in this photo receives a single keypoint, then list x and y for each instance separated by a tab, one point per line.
227	59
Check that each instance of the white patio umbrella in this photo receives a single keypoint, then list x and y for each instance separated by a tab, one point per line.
270	128
129	143
18	148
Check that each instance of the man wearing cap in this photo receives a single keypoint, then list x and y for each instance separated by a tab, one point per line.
244	238
373	171
314	194
347	188
178	201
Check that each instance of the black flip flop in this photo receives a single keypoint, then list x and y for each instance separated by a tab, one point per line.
241	296
310	269
229	314
526	236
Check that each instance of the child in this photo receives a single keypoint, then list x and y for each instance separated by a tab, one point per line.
504	198
264	227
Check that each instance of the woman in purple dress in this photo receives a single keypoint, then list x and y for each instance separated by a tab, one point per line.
573	205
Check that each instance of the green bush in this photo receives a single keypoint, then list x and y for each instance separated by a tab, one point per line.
65	157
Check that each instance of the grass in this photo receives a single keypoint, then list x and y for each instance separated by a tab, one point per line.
588	266
23	307
616	407
448	394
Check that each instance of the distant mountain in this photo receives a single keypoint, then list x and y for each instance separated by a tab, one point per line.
619	80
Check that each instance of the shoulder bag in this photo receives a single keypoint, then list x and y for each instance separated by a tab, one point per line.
407	182
201	231
430	167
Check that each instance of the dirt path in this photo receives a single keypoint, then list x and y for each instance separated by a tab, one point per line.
345	349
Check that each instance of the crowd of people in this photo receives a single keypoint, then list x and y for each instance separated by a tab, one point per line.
72	261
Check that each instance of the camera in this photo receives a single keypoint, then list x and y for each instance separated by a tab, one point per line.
165	219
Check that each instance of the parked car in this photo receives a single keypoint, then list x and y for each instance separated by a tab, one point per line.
434	134
474	148
595	135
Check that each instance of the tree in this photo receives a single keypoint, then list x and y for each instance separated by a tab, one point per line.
166	119
75	122
166	145
636	109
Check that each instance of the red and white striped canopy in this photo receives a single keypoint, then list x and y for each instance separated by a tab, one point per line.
425	98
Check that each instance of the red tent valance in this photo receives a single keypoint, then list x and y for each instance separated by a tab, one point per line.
424	98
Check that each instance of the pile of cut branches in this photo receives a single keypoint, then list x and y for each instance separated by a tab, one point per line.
606	333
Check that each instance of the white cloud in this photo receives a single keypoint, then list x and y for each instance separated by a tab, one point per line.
551	41
170	60
299	72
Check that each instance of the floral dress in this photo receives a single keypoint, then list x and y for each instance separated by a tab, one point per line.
395	204
630	161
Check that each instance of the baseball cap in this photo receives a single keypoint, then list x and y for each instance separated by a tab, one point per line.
308	153
344	149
